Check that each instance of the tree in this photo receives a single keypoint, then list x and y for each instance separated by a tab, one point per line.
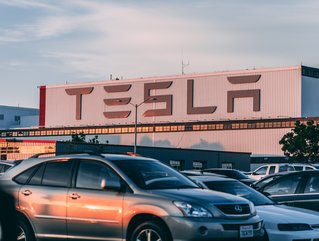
94	140
78	138
302	143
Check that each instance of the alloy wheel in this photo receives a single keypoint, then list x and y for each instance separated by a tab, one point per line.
21	234
148	235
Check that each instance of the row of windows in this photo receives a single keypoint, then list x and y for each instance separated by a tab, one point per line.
17	118
153	128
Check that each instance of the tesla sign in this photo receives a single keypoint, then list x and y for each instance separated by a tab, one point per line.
78	95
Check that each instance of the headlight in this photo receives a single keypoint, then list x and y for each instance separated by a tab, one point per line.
293	227
194	211
252	208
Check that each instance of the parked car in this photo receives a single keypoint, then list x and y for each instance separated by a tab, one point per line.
281	222
199	173
118	197
5	165
268	169
8	220
232	173
263	181
298	189
303	166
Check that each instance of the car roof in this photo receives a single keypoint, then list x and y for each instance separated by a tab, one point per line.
289	173
27	163
200	173
212	178
223	169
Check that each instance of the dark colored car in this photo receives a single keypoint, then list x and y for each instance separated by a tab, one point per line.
264	181
298	189
8	221
232	173
200	173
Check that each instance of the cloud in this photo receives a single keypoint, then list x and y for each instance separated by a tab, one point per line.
87	40
29	4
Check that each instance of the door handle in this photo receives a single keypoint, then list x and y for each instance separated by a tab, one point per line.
75	196
26	192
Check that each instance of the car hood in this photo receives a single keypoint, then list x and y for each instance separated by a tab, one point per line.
198	196
275	214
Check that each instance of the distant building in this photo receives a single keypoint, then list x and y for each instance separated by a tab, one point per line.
18	117
180	159
237	111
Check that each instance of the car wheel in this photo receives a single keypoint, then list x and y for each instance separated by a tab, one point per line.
7	217
25	232
150	231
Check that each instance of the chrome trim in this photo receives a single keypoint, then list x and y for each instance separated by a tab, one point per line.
55	236
295	194
299	201
92	220
50	217
85	220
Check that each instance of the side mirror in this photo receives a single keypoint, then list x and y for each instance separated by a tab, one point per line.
115	186
267	194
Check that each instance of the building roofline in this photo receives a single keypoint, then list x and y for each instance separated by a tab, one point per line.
17	107
171	77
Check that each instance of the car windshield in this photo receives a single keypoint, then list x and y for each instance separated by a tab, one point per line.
241	190
265	180
237	174
151	174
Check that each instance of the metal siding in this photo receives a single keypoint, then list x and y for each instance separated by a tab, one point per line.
280	96
257	141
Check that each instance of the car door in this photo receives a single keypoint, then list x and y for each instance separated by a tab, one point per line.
283	189
43	197
95	203
308	196
260	173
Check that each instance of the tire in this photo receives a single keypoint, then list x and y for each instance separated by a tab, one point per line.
8	221
150	231
25	232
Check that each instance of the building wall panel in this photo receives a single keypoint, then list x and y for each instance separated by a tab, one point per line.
280	96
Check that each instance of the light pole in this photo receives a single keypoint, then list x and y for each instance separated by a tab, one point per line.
135	125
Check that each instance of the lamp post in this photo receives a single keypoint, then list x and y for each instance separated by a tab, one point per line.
135	125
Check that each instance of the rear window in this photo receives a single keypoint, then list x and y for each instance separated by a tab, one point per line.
23	177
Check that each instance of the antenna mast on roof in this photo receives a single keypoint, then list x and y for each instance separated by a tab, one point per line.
183	64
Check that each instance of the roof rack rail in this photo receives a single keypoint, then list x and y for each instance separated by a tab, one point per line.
66	153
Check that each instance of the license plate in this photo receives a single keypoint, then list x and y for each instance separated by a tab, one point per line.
246	231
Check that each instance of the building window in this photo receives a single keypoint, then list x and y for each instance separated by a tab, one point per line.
227	165
177	164
199	165
1	116
17	119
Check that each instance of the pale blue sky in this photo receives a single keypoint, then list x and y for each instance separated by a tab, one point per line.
54	42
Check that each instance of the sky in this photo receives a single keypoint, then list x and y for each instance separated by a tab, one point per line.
61	41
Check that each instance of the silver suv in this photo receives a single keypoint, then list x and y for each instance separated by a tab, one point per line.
119	197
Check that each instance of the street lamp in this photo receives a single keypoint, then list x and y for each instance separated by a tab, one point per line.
135	126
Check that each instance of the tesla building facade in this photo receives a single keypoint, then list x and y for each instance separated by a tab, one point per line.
238	111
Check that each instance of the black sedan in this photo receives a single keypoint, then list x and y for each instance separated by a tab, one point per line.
298	189
232	173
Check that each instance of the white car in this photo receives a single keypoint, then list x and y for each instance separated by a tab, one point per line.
282	223
268	169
